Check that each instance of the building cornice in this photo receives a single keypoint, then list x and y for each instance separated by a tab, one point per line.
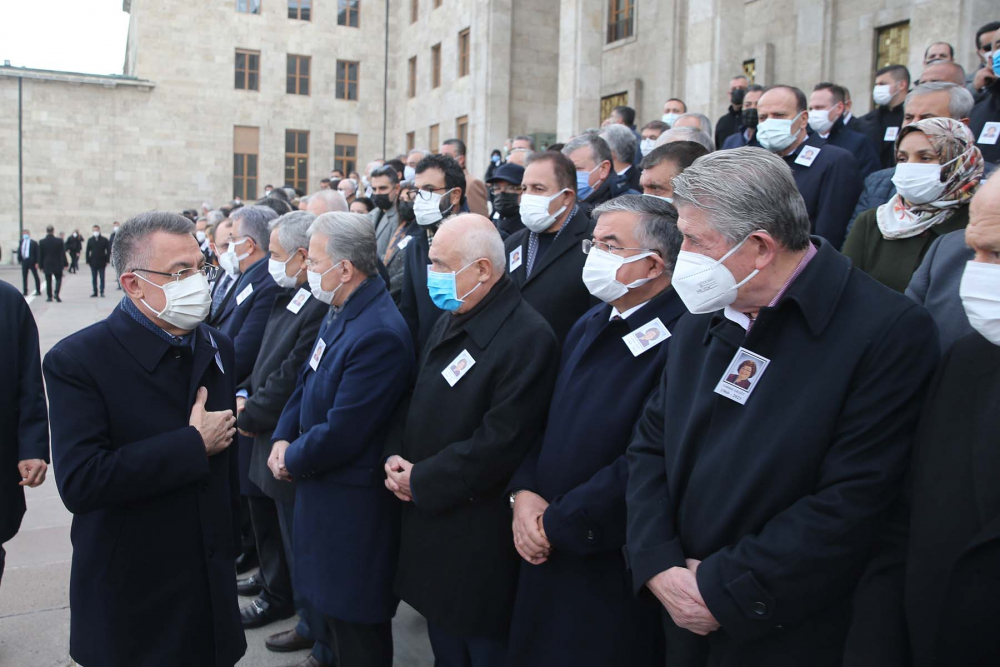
107	80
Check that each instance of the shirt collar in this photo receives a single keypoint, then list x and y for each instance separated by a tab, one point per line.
628	313
744	320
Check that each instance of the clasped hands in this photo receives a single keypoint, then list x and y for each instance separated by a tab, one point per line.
397	477
530	539
677	590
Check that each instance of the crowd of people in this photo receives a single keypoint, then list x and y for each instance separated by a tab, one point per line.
525	405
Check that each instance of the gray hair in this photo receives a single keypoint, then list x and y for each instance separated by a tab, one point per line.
255	220
599	149
333	199
131	249
703	121
349	181
350	237
744	190
215	217
686	134
423	152
657	225
621	141
960	103
524	137
293	230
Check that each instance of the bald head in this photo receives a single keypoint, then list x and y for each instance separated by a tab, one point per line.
948	72
326	201
983	232
470	246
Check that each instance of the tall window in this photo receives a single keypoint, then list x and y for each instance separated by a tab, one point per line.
247	70
347	13
436	66
414	10
298	75
411	86
411	141
462	128
893	45
297	159
245	143
621	15
463	52
248	6
347	80
435	134
300	9
345	152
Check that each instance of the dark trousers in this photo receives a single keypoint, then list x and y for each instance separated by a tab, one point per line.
94	273
362	644
75	263
49	278
277	582
24	277
454	651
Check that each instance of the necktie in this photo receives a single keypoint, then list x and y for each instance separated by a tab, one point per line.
25	249
220	293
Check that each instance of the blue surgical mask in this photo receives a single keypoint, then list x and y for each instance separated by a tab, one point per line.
583	189
443	291
996	62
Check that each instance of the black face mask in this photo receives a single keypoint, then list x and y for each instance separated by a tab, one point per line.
405	209
382	201
506	203
736	97
749	118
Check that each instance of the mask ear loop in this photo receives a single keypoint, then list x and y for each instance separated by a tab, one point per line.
143	301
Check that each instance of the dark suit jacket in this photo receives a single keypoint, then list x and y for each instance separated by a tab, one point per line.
395	268
346	522
929	597
288	340
857	144
457	564
415	303
31	258
98	252
555	288
781	498
875	123
154	529
51	254
986	111
74	244
24	421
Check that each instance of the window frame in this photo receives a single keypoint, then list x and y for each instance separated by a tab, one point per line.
345	9
411	83
414	11
297	77
249	7
345	163
434	138
347	80
462	128
436	66
247	71
299	181
245	191
615	33
464	49
298	10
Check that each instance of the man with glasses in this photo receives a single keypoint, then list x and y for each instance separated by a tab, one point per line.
544	260
146	402
505	192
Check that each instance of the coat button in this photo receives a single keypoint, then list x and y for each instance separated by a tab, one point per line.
759	608
590	535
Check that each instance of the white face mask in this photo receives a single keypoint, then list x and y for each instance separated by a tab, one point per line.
646	146
277	271
600	274
919	183
705	284
882	94
96	234
200	235
669	200
534	210
980	293
316	285
188	301
775	134
409	173
230	261
819	121
428	211
670	118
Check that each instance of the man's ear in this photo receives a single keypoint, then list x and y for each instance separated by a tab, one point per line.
456	198
132	285
485	269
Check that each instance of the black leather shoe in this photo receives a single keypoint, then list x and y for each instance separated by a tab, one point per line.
246	561
287	642
260	613
311	661
37	293
93	295
58	300
49	300
249	587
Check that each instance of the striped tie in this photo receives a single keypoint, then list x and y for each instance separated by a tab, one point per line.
220	293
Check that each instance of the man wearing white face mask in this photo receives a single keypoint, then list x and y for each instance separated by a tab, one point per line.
673	109
141	455
569	493
543	259
827	108
882	123
737	494
828	177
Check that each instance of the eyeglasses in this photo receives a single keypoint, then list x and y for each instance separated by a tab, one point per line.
426	193
210	271
588	244
507	188
311	263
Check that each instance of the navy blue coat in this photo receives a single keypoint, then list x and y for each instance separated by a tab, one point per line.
415	303
346	523
986	111
24	421
154	530
830	187
857	144
781	498
738	140
245	321
577	608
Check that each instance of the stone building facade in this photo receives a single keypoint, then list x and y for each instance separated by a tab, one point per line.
164	134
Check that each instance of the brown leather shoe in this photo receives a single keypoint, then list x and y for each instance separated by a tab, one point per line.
288	641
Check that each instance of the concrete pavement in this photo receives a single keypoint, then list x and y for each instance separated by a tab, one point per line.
34	595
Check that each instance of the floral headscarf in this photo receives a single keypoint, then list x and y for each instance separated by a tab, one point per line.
962	170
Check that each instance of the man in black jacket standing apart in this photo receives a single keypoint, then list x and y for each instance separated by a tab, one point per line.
98	256
51	255
74	245
754	506
28	255
24	425
479	403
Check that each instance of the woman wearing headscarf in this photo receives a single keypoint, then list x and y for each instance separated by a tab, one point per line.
938	169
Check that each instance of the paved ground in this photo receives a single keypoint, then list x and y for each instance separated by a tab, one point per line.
34	598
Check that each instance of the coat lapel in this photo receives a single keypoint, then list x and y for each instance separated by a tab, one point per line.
569	239
204	355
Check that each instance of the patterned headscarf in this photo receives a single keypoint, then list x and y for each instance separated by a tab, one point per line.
962	170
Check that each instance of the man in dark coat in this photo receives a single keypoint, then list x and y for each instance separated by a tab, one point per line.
97	258
486	377
330	440
140	452
28	257
547	265
288	338
574	599
596	179
52	255
505	185
831	99
984	121
732	121
74	245
24	425
882	123
752	511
